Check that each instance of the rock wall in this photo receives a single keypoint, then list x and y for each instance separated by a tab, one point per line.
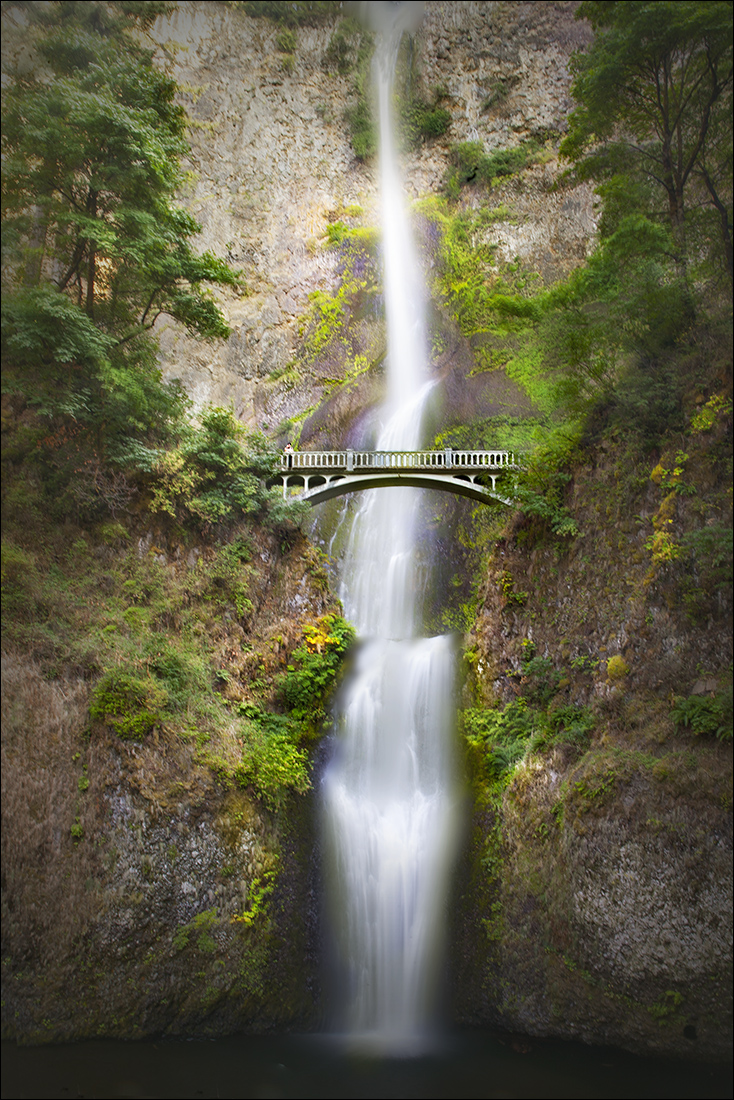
144	894
596	898
272	166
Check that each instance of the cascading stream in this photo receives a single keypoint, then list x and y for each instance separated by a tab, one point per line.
389	798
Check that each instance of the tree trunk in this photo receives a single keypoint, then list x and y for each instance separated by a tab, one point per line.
91	268
723	221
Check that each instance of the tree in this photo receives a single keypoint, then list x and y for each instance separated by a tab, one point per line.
654	114
96	247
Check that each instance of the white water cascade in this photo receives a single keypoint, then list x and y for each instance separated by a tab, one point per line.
389	794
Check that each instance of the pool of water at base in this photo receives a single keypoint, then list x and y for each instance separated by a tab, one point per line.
474	1064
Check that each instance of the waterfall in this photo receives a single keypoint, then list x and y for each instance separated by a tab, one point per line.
389	797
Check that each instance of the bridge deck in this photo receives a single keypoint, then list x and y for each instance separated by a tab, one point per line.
439	462
322	475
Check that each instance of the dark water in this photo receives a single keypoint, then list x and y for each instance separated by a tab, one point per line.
472	1065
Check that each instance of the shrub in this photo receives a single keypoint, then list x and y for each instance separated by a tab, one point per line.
424	121
216	474
502	734
705	715
362	129
341	53
470	164
309	680
540	680
130	705
21	586
271	761
178	673
286	40
711	548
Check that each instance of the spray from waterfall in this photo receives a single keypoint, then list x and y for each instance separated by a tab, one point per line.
389	798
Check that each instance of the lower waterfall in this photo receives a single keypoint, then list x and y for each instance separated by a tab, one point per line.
389	794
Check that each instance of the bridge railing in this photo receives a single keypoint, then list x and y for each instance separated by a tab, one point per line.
351	460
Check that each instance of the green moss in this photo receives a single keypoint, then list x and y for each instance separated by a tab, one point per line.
330	315
617	669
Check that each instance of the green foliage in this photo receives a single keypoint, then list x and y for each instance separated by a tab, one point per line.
20	583
705	715
505	736
202	926
540	680
100	396
423	121
715	408
362	129
130	705
216	474
666	1006
342	53
271	762
564	724
507	588
311	677
179	673
292	13
653	116
286	39
331	315
482	300
94	248
350	49
91	166
470	164
150	639
501	735
575	354
712	548
258	893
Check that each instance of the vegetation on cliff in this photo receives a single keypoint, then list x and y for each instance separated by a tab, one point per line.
598	731
168	632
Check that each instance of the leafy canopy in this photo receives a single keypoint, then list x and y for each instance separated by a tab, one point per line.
92	141
653	120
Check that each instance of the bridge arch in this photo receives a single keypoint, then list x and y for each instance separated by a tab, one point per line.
328	474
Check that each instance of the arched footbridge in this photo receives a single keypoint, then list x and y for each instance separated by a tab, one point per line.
321	475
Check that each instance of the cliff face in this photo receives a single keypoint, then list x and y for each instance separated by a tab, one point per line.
272	168
601	866
144	891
